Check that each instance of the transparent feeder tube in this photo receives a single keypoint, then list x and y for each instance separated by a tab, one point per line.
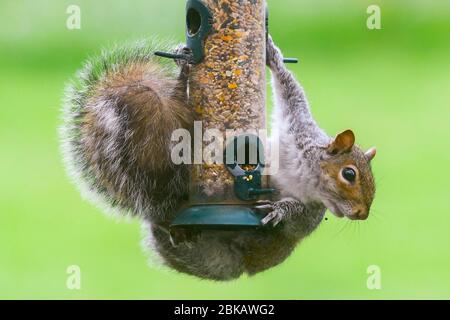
228	88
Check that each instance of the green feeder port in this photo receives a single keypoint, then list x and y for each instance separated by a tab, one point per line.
247	187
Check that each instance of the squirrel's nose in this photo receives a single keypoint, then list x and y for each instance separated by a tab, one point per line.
363	216
359	215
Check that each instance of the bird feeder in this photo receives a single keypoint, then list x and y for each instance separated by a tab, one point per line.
227	89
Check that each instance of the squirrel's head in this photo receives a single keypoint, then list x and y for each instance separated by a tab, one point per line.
347	186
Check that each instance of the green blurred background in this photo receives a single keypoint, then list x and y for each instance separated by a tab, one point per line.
392	86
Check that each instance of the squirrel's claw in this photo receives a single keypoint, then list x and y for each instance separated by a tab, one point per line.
273	215
184	237
264	207
262	202
183	50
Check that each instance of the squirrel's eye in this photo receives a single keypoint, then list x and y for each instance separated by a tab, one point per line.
349	174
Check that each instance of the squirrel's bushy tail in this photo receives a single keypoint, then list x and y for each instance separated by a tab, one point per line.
119	114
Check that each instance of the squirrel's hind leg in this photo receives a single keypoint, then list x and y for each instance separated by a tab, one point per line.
211	256
119	139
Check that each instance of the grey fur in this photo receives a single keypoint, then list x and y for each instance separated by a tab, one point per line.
155	195
153	191
304	147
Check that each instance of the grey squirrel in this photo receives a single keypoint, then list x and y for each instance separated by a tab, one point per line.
119	117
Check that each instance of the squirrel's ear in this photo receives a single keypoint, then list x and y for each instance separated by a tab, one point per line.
342	143
370	154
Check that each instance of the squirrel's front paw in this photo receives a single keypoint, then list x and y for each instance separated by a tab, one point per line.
183	50
273	53
274	213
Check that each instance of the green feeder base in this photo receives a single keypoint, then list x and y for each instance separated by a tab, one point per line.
223	217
